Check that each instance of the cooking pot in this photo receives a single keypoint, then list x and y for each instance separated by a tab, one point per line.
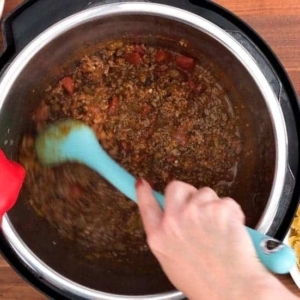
259	90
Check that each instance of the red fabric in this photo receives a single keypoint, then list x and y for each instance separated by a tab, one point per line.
11	179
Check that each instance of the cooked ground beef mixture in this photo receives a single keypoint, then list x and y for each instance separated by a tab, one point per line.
160	114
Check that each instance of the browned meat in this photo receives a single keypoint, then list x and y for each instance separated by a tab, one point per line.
161	115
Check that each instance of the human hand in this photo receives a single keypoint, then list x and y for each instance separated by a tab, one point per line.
202	245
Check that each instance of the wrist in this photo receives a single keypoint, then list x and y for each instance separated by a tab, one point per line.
269	287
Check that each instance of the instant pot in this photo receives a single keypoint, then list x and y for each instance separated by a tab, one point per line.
40	36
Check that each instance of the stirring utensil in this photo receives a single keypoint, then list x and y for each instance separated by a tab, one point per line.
71	140
12	176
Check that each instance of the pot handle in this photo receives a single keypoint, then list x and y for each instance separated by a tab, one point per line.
12	176
31	18
103	2
177	3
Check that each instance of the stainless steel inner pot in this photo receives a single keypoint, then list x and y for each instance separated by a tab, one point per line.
51	54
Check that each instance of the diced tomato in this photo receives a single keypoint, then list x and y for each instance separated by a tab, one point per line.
138	157
74	191
162	56
160	69
68	85
181	137
192	84
134	58
139	50
147	133
170	159
146	109
113	105
184	62
125	147
201	88
197	88
95	111
42	112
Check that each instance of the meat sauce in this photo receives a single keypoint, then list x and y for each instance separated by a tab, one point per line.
160	114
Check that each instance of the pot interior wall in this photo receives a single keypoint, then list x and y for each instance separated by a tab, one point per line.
255	170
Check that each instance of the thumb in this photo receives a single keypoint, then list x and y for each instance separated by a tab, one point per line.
150	210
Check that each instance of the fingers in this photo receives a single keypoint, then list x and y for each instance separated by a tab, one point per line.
149	208
200	204
235	209
204	195
226	213
177	194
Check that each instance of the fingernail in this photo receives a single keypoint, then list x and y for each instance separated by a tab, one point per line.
139	182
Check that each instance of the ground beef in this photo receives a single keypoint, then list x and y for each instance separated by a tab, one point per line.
161	115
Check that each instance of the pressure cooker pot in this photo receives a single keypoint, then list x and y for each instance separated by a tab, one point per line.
265	176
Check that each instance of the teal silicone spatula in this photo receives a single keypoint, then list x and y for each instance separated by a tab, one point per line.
74	141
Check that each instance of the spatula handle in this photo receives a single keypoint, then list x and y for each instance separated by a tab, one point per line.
276	256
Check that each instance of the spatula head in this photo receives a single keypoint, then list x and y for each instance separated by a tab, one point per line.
59	142
12	176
